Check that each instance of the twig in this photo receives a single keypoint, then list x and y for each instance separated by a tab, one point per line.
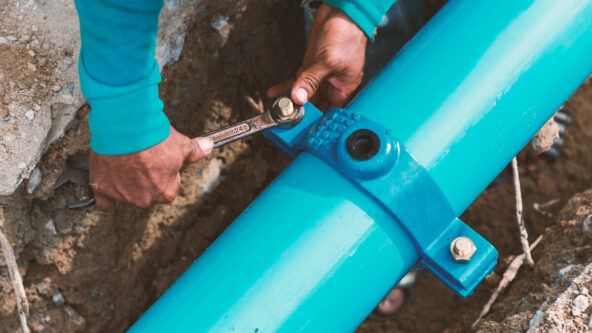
519	215
508	276
539	208
17	282
258	105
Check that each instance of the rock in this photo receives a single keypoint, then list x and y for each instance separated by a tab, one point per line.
3	41
30	114
43	287
587	225
34	180
563	272
58	298
31	53
22	165
536	319
31	67
50	226
71	313
220	23
579	305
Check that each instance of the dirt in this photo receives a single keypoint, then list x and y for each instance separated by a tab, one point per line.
81	267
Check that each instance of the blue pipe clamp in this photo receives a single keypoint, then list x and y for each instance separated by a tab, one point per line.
377	187
369	156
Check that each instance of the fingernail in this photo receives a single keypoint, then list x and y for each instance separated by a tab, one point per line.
301	95
205	145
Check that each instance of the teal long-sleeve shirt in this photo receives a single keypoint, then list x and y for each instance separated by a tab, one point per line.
119	75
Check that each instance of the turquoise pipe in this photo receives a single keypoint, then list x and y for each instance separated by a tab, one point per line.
477	82
294	260
316	253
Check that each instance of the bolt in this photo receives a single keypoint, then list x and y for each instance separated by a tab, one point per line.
284	108
462	249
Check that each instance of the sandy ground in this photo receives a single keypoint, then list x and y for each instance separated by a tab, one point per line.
82	267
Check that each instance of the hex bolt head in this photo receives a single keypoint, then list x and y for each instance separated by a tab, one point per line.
284	108
462	249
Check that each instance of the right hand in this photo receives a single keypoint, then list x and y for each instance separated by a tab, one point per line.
148	176
333	64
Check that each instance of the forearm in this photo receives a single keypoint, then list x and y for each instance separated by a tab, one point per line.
119	75
367	14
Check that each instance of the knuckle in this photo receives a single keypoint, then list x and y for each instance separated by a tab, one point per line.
169	195
310	80
143	203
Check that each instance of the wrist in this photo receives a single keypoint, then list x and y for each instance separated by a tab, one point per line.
124	119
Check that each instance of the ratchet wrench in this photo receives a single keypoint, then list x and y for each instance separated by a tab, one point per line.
283	113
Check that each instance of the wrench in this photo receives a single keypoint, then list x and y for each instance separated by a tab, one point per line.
79	177
283	113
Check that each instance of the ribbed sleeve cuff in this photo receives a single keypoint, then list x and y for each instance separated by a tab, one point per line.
124	119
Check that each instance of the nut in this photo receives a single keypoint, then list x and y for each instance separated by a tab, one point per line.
462	249
284	108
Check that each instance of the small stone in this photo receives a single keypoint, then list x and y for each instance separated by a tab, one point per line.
43	288
538	316
34	28
30	114
563	272
220	23
24	38
71	313
31	67
58	298
11	38
587	225
50	226
6	100
31	53
3	40
579	305
56	88
22	165
34	180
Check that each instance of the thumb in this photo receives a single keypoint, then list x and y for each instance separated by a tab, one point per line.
200	148
308	82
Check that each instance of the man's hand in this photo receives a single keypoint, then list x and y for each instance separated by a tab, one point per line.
333	63
147	176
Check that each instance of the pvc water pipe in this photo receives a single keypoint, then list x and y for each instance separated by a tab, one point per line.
316	251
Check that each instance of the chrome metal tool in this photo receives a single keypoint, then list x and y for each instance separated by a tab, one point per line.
283	113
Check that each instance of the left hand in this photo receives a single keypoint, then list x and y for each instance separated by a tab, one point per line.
333	63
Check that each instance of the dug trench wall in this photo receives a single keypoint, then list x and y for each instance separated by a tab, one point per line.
88	271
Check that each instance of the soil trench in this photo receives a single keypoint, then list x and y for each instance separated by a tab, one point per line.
87	271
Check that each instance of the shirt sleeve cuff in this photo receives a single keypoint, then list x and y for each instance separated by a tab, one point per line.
366	14
124	119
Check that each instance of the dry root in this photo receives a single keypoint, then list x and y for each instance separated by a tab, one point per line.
17	282
519	215
509	275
